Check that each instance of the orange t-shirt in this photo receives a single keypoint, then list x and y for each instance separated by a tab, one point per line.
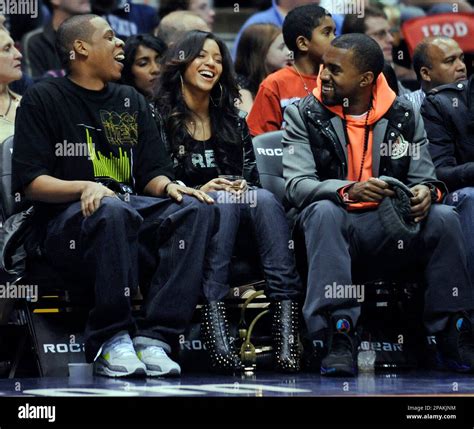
276	92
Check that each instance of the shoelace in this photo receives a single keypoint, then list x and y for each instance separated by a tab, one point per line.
156	350
122	347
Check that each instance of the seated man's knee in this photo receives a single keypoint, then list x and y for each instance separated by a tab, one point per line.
323	212
112	208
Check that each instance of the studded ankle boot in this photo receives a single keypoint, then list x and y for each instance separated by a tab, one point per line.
215	333
285	336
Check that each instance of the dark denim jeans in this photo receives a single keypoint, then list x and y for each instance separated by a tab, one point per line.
154	241
272	237
336	238
463	200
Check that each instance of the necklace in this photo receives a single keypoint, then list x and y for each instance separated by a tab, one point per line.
194	124
302	81
366	137
10	99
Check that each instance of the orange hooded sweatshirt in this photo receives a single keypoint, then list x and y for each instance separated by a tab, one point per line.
382	99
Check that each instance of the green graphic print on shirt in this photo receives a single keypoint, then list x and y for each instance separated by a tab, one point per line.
120	130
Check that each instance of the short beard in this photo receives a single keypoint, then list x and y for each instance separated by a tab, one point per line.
336	100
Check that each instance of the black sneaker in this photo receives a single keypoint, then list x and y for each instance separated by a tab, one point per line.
456	345
315	348
342	349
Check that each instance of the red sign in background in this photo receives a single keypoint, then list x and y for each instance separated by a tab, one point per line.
459	26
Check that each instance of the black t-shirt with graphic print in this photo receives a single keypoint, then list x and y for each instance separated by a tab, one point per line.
72	133
198	166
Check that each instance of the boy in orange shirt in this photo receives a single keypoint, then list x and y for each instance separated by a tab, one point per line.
308	31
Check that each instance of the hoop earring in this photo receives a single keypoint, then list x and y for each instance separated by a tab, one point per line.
182	83
220	97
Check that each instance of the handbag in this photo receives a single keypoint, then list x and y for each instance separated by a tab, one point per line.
17	241
255	351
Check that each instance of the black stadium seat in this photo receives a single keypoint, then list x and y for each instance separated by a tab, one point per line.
268	153
9	205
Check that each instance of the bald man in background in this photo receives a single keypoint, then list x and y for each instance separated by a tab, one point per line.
173	25
437	61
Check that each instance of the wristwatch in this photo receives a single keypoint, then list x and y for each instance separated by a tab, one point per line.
176	182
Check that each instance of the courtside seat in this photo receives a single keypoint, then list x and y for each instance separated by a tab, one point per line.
269	154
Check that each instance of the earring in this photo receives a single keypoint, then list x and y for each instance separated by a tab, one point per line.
182	83
220	97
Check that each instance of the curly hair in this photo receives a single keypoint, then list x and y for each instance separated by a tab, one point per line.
170	105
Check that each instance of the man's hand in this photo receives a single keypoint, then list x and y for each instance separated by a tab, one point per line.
92	195
421	202
176	192
217	184
373	190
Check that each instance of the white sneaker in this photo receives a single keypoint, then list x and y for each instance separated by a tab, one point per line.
156	360
118	358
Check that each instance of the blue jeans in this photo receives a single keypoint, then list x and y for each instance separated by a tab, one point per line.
463	200
154	242
272	237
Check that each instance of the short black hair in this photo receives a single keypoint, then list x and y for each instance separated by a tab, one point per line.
367	54
353	24
301	21
131	48
73	28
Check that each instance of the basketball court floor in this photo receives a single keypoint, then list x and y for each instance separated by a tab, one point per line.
411	383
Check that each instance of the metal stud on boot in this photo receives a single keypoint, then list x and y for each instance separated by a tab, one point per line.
285	336
215	333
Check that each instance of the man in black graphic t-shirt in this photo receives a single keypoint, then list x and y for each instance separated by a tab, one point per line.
87	151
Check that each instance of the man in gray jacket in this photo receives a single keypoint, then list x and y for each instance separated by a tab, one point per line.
337	144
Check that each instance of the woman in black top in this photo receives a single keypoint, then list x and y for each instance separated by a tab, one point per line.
207	137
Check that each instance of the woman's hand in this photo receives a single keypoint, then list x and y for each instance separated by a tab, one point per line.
176	192
217	184
239	187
